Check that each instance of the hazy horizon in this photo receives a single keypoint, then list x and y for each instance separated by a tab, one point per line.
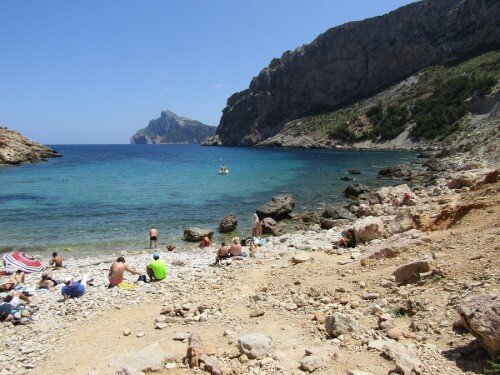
95	73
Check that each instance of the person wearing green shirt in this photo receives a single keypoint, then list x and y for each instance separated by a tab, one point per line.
156	269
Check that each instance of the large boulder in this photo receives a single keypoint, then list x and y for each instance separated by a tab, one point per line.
354	171
194	234
387	193
332	223
228	224
411	271
270	226
481	316
279	207
396	171
255	345
355	190
335	212
406	362
462	180
338	324
368	228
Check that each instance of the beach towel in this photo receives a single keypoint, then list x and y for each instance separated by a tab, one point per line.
126	286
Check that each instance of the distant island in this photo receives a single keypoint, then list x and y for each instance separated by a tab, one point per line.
15	148
170	128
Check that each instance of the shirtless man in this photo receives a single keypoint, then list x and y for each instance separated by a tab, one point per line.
117	270
223	252
56	261
153	237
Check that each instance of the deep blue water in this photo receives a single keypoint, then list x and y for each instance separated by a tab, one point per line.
106	197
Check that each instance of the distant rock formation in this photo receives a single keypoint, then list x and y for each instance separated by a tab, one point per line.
170	128
357	60
16	149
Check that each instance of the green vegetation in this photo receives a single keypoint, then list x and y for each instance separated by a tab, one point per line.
438	115
388	122
434	100
494	367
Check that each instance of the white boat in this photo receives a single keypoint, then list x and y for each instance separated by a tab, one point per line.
223	170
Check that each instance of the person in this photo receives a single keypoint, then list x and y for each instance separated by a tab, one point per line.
116	272
348	239
256	226
235	249
47	281
222	252
153	237
73	288
205	242
14	298
406	199
156	270
253	248
56	261
18	277
6	314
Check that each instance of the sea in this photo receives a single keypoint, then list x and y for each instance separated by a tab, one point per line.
101	199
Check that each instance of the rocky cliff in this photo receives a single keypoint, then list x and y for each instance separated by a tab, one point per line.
354	61
16	149
170	128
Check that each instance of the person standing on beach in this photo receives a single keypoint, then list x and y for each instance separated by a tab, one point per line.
117	270
153	237
255	226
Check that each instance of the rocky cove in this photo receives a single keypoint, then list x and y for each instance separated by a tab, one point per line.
387	306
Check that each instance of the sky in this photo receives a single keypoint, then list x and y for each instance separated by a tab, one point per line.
75	72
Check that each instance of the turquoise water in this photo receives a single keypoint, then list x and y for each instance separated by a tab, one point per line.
100	198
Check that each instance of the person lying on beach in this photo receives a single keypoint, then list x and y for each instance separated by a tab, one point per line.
117	270
18	277
47	282
205	242
156	270
56	261
15	298
74	288
222	252
348	239
6	314
235	249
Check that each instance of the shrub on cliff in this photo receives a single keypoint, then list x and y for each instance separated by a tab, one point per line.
438	115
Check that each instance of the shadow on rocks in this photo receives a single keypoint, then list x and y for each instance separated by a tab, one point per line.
469	357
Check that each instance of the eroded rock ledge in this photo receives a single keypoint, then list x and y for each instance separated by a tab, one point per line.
16	149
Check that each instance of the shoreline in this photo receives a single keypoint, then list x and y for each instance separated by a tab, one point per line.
192	280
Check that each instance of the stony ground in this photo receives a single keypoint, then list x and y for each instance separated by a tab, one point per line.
285	293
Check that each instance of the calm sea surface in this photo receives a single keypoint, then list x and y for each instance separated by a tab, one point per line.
103	198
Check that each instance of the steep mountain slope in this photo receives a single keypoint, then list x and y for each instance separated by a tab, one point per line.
16	149
440	104
170	128
355	61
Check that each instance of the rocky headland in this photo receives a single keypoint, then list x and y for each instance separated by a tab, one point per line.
170	128
368	84
16	149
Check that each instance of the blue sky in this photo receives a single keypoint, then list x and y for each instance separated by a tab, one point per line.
97	71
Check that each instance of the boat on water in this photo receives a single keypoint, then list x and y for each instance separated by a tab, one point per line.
223	170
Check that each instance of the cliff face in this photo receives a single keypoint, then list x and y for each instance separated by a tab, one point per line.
16	149
354	61
170	128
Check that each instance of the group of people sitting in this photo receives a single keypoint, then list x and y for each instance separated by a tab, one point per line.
156	271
